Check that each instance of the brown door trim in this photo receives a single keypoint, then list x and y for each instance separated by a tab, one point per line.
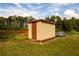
34	31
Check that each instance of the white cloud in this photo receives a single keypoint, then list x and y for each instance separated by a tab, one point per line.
76	8
71	13
65	4
60	4
18	11
36	7
25	12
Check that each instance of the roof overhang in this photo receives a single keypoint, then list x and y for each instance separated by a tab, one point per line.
41	20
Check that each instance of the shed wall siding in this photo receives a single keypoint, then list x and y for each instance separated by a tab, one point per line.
30	31
45	31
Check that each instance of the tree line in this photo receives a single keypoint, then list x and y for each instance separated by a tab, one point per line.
65	24
19	22
14	22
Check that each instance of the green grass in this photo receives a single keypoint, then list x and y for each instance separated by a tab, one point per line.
21	46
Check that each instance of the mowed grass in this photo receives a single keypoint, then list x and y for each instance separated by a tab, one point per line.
60	46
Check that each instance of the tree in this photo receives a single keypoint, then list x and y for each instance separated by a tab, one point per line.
58	23
2	22
11	20
22	22
47	18
67	25
73	21
77	25
25	21
31	18
52	18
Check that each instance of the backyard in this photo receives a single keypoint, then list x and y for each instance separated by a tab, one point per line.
19	45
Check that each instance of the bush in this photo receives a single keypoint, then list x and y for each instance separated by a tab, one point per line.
6	35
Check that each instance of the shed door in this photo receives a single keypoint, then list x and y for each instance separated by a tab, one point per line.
34	33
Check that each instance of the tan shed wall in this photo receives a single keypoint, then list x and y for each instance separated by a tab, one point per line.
30	31
45	31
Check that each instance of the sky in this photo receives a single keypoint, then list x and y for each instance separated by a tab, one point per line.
40	10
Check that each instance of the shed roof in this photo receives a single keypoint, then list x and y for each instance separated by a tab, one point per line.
41	20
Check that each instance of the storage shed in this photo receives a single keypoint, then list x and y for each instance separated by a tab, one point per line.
40	30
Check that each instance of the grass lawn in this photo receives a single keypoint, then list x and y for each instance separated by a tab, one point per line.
20	46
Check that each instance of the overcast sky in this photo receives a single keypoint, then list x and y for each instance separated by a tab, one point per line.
40	10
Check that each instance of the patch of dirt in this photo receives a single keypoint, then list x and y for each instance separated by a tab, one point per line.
41	42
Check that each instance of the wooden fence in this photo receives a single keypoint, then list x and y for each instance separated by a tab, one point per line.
16	31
